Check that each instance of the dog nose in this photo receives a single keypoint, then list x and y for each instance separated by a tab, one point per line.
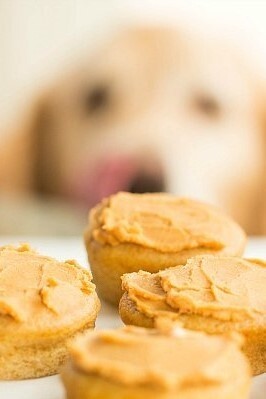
143	183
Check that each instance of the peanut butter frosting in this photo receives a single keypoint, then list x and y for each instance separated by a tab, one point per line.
157	357
164	223
224	288
39	293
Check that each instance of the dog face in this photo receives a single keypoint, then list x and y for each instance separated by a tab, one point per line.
153	111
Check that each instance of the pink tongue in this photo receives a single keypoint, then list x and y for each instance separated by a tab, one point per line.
103	179
115	175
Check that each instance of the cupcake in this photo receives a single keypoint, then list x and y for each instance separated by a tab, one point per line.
128	232
43	303
211	294
137	363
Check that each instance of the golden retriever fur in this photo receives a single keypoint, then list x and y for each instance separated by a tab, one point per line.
184	112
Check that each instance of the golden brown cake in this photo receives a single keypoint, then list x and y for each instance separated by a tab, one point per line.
211	294
43	303
137	363
128	232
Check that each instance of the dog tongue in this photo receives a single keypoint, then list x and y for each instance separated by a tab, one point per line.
114	176
103	179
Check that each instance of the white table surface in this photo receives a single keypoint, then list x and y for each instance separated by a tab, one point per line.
73	248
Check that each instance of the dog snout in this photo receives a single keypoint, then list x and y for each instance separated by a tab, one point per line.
109	174
147	183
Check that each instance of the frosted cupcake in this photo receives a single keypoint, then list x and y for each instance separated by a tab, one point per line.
142	363
43	303
211	294
128	232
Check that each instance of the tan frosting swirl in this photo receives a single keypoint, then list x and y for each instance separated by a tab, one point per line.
133	355
165	223
225	288
38	291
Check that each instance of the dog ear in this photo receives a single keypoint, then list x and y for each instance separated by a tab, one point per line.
258	213
21	149
263	183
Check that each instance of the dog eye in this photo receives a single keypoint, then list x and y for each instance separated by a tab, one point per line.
96	99
207	106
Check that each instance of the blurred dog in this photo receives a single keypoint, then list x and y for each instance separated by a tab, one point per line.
153	110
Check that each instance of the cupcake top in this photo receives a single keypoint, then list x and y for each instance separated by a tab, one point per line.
165	223
224	288
157	357
39	294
